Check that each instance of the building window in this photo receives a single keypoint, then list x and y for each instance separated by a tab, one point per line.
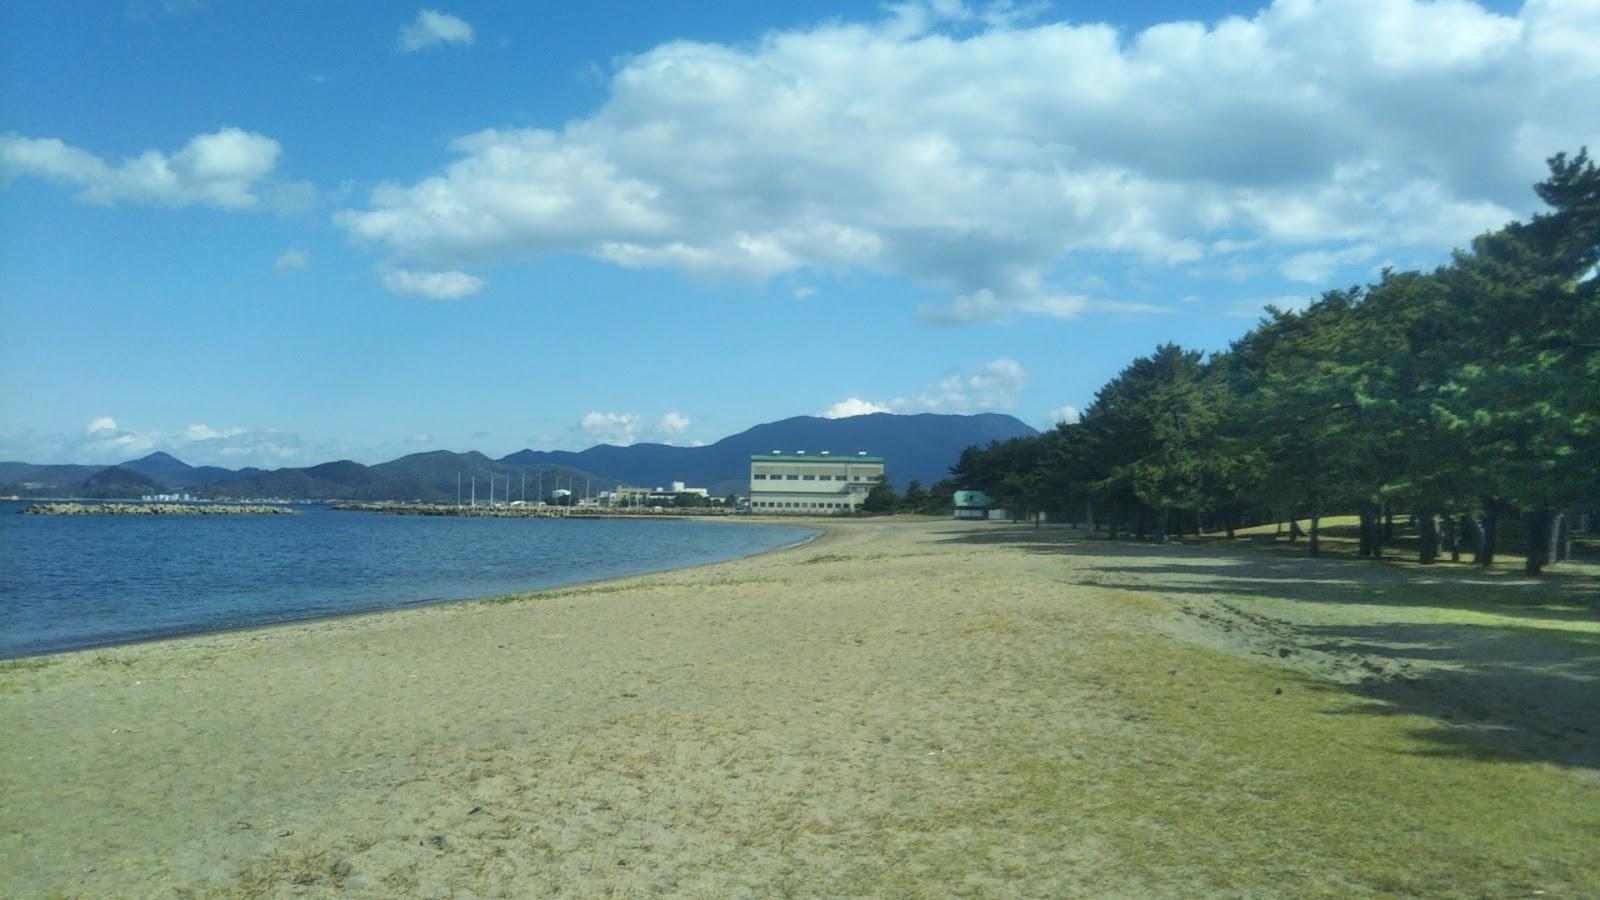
810	478
759	477
793	477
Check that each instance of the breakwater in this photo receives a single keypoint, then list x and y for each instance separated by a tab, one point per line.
155	509
530	512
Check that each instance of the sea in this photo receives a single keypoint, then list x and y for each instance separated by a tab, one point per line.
74	582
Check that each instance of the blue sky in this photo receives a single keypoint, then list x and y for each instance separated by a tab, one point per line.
276	234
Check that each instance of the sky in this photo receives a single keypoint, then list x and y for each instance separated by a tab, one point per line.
281	233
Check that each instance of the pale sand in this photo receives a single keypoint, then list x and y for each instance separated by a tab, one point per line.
821	720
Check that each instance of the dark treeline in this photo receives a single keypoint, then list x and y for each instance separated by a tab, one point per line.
1467	398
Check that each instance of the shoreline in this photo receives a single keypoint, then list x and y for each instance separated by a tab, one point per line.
414	606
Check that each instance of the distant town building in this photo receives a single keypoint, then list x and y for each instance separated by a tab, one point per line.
818	484
629	495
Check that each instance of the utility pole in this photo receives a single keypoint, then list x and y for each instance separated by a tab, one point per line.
474	490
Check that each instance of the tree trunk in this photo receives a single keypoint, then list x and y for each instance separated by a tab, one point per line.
1371	530
1428	533
1388	523
1227	525
1294	530
1111	523
1314	543
1563	536
1451	541
1088	513
1539	540
1489	527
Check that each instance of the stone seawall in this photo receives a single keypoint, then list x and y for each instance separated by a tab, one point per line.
155	509
526	512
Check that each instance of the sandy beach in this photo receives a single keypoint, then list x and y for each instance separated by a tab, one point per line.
901	708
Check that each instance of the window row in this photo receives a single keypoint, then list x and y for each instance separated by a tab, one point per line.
763	477
798	504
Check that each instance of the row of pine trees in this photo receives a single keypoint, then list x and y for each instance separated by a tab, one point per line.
1467	398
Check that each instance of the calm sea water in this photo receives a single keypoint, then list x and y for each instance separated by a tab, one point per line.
70	582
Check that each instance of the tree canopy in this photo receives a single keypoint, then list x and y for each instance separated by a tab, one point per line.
1462	396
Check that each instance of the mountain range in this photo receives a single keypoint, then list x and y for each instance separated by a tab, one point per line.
914	447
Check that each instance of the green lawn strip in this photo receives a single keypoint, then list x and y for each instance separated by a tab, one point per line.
1217	784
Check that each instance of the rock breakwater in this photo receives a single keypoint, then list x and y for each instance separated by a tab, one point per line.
155	509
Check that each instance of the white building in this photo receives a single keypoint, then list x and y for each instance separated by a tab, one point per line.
811	484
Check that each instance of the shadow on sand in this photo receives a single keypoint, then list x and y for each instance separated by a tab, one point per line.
1491	657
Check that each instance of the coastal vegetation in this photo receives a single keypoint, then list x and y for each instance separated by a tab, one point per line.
1466	398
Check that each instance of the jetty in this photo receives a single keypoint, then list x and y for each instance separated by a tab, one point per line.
156	509
546	511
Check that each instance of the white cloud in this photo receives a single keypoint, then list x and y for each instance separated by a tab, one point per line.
1315	266
292	260
100	424
620	429
623	429
980	157
105	441
673	423
227	169
451	285
992	385
432	28
853	406
1068	414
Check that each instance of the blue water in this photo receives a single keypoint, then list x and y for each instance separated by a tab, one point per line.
69	582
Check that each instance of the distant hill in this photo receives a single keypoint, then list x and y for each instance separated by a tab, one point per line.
429	476
31	480
920	447
168	470
917	447
117	483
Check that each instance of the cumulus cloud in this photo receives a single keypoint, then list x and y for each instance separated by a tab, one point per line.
452	285
620	429
432	28
105	441
623	429
981	157
853	406
992	385
673	423
226	169
1063	414
292	260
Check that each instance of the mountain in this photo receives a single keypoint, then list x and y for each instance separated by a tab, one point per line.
916	447
920	447
168	470
115	482
429	476
30	480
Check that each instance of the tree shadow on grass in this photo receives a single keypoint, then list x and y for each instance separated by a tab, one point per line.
1497	661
